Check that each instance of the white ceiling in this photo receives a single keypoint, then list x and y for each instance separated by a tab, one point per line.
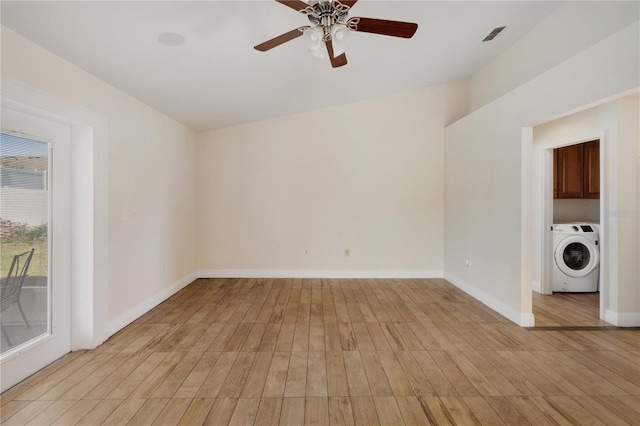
216	78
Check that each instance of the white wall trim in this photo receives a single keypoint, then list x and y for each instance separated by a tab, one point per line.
318	273
523	320
87	127
526	221
527	320
622	320
126	318
536	286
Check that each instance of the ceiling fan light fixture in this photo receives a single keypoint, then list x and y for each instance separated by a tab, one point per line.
340	35
314	37
319	53
331	27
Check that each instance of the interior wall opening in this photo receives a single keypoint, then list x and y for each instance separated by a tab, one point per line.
570	289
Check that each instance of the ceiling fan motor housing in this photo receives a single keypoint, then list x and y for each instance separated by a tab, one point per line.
325	14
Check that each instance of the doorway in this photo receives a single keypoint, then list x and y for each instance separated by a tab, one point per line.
570	289
89	161
36	248
615	123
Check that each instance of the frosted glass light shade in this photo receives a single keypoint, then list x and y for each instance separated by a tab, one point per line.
340	37
319	53
313	37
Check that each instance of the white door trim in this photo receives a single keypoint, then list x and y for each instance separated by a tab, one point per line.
53	342
89	140
546	237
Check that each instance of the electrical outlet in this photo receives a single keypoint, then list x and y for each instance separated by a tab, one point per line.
306	252
334	252
467	262
346	252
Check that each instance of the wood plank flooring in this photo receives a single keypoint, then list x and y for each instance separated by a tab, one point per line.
334	352
567	309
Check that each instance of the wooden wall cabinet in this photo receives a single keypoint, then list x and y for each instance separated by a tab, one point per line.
592	170
576	171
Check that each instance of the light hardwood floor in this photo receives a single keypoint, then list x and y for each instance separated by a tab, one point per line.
365	352
567	310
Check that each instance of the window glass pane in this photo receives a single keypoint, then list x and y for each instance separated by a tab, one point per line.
24	216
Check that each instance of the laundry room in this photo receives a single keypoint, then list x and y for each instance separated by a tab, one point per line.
576	218
576	181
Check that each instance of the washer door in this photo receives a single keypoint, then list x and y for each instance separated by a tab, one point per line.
576	256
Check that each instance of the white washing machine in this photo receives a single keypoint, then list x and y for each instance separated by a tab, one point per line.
576	256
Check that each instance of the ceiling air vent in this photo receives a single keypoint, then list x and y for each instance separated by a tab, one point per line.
494	33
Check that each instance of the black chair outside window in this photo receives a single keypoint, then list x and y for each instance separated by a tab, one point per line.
12	286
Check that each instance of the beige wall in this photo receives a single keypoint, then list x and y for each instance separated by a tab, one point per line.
488	172
366	176
576	210
375	177
151	174
625	211
582	126
619	122
575	26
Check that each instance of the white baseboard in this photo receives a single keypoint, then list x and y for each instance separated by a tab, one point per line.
622	320
523	320
536	286
126	318
318	273
527	320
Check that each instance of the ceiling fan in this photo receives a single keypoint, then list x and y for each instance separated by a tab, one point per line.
330	25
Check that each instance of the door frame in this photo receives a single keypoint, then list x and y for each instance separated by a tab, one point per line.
546	237
89	180
28	357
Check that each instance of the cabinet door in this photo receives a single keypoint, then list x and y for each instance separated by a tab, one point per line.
592	169
555	173
569	170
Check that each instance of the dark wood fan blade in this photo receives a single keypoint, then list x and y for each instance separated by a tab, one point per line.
349	3
277	41
338	61
294	4
384	27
